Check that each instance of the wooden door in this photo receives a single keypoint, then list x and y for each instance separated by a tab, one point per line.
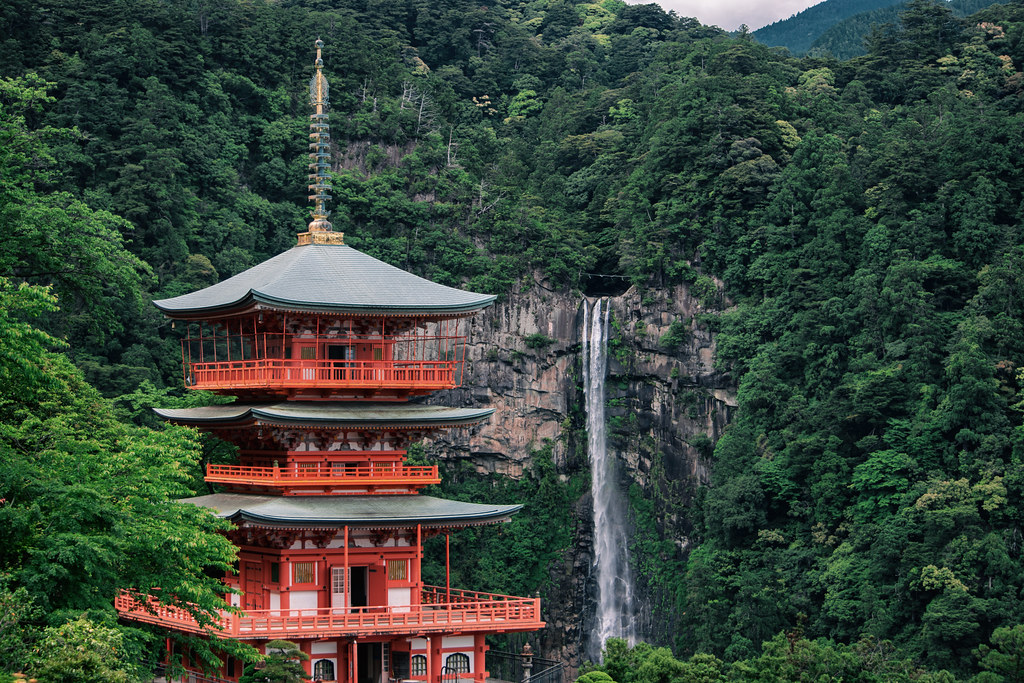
253	598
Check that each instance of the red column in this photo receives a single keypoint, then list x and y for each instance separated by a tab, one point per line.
353	662
434	658
419	559
479	662
307	664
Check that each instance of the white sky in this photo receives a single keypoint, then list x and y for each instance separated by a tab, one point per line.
729	14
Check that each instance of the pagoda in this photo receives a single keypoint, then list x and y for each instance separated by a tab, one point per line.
326	349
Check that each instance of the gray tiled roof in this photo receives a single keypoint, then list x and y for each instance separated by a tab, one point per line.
326	277
336	511
326	414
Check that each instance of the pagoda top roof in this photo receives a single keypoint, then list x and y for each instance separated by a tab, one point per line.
362	511
325	278
327	414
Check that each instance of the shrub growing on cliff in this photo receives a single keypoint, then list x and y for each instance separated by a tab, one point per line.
538	341
678	332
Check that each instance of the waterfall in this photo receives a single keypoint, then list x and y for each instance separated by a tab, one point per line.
614	617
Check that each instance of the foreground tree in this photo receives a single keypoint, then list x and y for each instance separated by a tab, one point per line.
283	664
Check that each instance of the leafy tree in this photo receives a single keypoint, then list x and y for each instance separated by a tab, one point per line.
50	237
82	651
282	664
1005	657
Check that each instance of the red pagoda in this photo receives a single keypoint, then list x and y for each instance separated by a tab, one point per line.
324	347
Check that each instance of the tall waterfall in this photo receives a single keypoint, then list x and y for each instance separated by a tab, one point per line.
614	617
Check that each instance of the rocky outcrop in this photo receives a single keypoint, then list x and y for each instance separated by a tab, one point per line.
667	405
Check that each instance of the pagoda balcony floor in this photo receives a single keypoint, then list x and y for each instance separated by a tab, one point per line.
465	613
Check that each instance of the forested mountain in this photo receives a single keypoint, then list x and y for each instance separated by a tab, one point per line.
841	29
848	38
798	32
864	218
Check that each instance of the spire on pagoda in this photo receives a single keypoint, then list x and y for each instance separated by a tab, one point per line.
320	155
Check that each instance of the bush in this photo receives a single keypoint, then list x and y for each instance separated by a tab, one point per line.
538	341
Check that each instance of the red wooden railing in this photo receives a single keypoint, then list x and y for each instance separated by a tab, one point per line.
282	373
478	612
326	475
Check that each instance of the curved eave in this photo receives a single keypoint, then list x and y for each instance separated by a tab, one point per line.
327	415
299	306
255	301
330	512
325	278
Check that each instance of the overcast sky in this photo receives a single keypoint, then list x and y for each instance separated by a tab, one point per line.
729	14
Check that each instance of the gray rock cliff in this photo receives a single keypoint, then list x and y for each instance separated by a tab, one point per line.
667	405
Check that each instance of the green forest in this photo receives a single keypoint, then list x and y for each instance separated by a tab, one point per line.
864	518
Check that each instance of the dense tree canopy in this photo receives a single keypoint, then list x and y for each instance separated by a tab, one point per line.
864	216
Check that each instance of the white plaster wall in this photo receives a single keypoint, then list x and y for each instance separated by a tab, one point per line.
461	642
400	599
328	647
303	600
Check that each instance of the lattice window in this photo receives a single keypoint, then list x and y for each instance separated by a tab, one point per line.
418	665
398	570
457	663
307	353
323	670
303	572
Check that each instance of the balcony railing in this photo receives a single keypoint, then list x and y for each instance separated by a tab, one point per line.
283	373
477	612
319	475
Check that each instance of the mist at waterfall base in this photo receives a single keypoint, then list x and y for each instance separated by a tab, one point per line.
614	616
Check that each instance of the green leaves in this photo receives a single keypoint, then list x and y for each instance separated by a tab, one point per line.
83	651
87	503
282	664
52	238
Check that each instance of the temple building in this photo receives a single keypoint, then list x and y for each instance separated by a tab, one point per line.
326	351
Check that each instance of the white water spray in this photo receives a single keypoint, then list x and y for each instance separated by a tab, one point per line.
615	613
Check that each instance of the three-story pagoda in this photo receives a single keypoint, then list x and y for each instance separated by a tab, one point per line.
324	347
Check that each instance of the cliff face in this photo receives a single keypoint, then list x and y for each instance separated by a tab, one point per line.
666	406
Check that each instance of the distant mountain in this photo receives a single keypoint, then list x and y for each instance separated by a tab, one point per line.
800	31
845	39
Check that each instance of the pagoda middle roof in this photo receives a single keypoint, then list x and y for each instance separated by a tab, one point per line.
327	414
337	511
329	278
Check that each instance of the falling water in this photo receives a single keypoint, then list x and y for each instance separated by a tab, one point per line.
614	616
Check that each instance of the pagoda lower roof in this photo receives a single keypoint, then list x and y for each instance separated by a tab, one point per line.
326	415
293	512
325	278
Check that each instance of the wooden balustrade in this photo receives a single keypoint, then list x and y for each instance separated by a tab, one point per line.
330	475
282	373
478	612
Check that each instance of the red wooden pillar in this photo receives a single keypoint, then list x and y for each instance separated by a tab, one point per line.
434	664
353	661
419	559
479	661
307	664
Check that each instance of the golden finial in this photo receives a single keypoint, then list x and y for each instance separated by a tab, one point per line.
319	146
